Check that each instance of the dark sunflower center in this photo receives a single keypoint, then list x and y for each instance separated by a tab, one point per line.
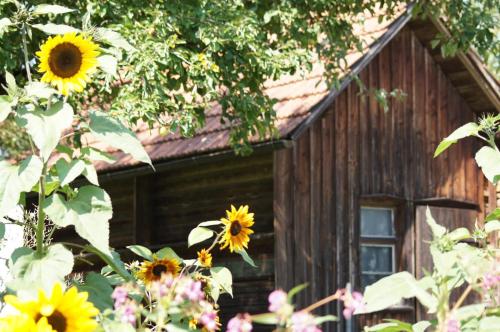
235	228
56	320
65	60
159	269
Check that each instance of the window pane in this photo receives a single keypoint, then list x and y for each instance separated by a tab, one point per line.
368	279
376	258
376	222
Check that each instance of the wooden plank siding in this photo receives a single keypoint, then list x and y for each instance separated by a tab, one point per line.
359	152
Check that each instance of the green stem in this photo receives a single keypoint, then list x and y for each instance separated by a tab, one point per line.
41	215
25	51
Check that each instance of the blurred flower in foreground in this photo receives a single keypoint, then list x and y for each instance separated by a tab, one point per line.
62	311
240	323
452	325
304	322
352	302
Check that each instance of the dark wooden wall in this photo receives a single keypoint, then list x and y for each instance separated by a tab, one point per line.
357	152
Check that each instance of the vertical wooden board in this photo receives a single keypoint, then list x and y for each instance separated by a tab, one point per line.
375	130
385	123
341	192
457	164
397	114
409	108
283	218
419	121
302	201
353	181
317	268
432	173
327	221
365	136
444	125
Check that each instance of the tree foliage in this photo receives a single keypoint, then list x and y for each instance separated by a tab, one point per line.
186	54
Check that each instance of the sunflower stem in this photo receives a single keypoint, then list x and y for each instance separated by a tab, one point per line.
25	51
41	214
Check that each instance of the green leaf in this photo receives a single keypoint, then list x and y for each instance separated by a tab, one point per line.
31	272
114	263
469	311
489	160
4	24
11	82
489	324
421	326
97	155
108	63
116	326
295	290
141	251
168	253
437	230
51	9
39	90
176	327
90	173
89	212
5	108
224	278
114	39
246	257
99	290
210	223
466	130
390	327
495	215
492	226
55	29
69	171
2	229
403	286
267	319
114	133
199	234
15	180
459	234
46	127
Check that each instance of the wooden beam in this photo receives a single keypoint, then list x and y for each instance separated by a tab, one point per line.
142	218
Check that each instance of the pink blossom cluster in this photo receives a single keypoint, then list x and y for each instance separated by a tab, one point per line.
491	280
304	322
125	308
353	301
240	323
452	325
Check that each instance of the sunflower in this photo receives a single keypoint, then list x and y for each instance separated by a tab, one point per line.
153	270
237	228
205	258
61	312
67	61
23	323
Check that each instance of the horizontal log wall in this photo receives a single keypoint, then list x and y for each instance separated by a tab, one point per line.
358	151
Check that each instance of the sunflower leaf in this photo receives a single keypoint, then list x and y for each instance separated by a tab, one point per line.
111	131
210	223
114	39
45	128
55	29
246	257
99	290
108	63
69	171
31	271
51	9
224	278
39	90
141	251
16	179
168	253
4	24
89	212
199	234
5	108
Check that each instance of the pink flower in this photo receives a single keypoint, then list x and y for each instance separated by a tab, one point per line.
304	322
352	303
128	313
277	300
190	290
209	320
240	323
452	325
490	281
120	295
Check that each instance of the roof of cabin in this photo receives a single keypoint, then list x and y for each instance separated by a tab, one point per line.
302	98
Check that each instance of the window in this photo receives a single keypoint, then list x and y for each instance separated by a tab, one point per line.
378	244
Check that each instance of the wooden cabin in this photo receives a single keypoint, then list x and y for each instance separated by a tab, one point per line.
339	196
